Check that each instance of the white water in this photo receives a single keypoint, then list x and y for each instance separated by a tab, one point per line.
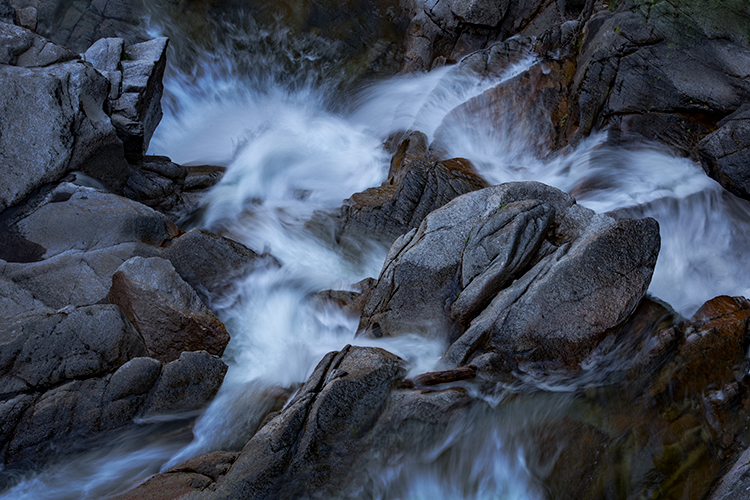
290	152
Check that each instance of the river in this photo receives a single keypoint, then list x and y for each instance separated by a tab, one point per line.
294	143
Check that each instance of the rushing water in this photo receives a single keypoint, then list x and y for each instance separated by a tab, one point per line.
292	146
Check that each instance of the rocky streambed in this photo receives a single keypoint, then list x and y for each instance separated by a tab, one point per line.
532	289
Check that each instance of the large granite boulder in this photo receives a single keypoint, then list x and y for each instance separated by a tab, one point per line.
522	268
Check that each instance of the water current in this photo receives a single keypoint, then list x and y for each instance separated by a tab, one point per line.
293	143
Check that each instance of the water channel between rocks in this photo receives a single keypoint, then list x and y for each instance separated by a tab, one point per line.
294	147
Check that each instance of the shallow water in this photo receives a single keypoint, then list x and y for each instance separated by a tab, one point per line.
293	146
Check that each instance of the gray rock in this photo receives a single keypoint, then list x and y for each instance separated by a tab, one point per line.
417	284
55	104
481	12
725	153
15	300
105	55
7	12
71	217
42	350
212	263
14	41
309	448
134	378
528	269
137	111
74	277
165	310
734	484
185	384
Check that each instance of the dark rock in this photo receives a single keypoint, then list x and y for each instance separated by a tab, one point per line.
632	69
290	458
195	474
725	153
415	187
7	12
211	263
27	17
186	384
165	310
42	350
156	182
137	111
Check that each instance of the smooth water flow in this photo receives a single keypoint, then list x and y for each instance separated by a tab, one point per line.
292	148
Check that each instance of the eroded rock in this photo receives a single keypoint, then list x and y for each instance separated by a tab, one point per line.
541	275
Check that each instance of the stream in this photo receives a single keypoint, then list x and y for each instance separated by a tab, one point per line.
294	143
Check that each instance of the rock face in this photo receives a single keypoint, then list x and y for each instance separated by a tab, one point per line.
65	244
726	152
416	186
165	310
53	120
135	73
327	440
522	266
210	263
70	415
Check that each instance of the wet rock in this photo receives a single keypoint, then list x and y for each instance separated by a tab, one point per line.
186	384
415	187
165	310
41	350
156	182
735	483
137	111
534	105
288	457
445	31
211	263
55	104
544	276
195	474
632	67
725	153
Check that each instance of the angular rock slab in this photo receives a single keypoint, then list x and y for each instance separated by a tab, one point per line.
522	266
52	121
165	310
210	263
